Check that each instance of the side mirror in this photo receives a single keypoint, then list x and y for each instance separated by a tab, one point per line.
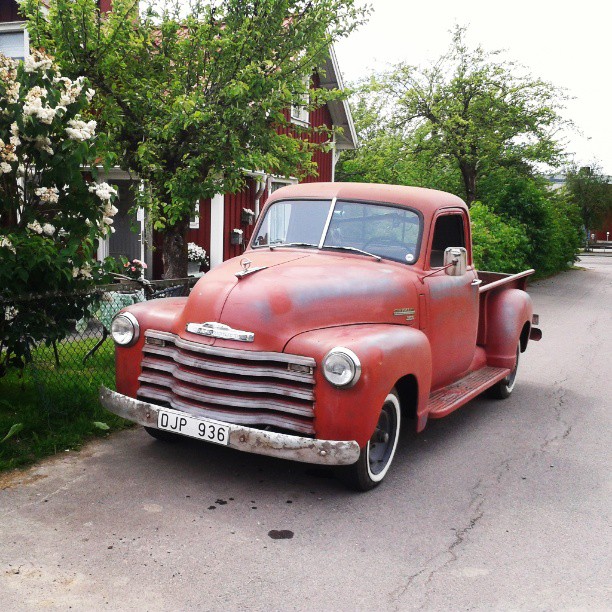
455	260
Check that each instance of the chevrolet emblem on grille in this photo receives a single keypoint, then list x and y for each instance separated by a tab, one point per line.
219	330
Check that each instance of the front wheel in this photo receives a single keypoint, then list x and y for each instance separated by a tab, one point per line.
504	387
376	457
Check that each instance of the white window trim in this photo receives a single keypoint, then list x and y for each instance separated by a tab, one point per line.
217	218
18	26
300	115
280	179
195	224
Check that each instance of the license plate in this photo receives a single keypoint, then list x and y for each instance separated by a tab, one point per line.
186	425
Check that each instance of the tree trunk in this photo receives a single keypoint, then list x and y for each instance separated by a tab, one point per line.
174	253
468	173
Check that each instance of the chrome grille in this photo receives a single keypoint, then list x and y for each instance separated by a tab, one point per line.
235	386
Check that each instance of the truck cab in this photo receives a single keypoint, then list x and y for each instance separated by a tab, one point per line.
355	311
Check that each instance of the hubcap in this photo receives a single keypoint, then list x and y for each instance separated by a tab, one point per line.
381	443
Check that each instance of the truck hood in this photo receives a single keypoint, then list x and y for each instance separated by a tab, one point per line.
296	292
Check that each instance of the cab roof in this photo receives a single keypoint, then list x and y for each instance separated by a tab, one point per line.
425	200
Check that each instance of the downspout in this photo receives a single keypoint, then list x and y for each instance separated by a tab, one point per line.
263	185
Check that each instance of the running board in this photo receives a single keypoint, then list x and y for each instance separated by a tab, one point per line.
445	400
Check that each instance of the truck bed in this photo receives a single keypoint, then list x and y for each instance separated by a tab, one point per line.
493	280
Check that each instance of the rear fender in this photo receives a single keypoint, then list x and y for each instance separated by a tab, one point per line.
387	353
508	310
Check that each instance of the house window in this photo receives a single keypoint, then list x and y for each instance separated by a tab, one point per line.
14	40
194	220
299	112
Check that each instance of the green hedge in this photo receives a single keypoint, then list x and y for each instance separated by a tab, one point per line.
499	245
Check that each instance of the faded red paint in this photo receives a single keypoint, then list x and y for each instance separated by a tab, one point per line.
306	302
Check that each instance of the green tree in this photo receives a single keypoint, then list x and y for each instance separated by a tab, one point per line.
189	101
474	110
50	217
591	190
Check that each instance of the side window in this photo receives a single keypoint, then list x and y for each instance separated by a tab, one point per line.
448	232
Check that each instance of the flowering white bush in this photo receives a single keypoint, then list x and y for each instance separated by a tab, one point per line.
195	252
51	214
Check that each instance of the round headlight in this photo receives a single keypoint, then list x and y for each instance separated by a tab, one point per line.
341	367
125	329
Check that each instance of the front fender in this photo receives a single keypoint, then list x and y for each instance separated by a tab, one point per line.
507	312
387	353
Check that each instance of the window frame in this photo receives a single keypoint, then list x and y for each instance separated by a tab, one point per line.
334	201
7	27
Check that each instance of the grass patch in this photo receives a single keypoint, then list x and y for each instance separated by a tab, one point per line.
57	406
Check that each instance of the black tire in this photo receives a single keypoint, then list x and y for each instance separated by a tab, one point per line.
162	435
503	389
376	457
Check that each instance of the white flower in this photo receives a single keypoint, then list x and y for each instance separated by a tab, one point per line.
89	94
72	90
43	144
107	220
12	92
48	194
81	130
48	229
36	227
195	252
5	168
110	210
33	105
37	61
103	190
7	244
10	313
85	271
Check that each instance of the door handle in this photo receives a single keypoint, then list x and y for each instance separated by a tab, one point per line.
476	282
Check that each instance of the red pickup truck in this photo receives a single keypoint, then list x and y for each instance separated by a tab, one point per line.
355	309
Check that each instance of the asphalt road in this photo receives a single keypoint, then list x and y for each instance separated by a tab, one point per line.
503	504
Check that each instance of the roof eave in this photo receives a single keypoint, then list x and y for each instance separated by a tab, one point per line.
339	109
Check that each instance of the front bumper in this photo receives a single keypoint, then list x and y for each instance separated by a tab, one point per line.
247	439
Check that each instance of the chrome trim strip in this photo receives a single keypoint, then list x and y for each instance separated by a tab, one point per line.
247	439
327	222
220	399
205	380
171	352
263	419
229	353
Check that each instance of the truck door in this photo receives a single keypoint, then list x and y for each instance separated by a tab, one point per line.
452	322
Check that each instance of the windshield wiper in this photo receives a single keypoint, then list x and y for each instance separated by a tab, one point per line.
293	244
353	249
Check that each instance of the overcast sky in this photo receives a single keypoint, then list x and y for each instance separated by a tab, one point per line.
568	44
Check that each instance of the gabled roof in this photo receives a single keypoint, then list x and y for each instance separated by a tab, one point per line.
339	109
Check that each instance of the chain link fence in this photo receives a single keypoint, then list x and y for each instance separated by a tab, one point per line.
85	356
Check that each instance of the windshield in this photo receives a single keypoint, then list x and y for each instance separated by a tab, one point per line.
386	231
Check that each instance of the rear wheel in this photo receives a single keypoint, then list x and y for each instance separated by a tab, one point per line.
505	386
376	457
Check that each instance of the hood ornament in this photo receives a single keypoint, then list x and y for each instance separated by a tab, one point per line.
219	330
246	268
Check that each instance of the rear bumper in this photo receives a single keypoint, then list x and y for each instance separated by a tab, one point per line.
247	439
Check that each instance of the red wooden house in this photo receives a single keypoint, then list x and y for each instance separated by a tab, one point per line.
223	224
